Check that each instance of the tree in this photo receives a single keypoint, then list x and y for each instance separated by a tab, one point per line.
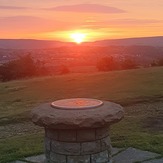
154	63
107	64
160	62
157	63
23	67
64	70
128	63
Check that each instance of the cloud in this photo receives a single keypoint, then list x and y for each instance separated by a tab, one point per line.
12	8
135	21
36	25
87	8
120	23
31	24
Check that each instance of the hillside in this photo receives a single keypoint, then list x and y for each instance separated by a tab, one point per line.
27	44
43	44
128	86
140	92
142	41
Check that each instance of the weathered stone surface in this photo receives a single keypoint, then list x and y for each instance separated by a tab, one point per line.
47	143
106	144
102	132
65	148
132	155
67	135
91	147
37	159
79	159
78	135
102	157
116	150
55	118
155	161
86	135
19	162
47	155
52	134
56	158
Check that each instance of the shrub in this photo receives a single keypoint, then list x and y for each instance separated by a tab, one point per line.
64	70
107	64
128	63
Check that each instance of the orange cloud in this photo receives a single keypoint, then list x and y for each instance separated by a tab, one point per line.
12	8
87	8
31	24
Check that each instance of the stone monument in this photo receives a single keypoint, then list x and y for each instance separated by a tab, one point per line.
77	130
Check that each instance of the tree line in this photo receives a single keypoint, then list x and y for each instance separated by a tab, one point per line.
26	67
110	64
157	62
23	67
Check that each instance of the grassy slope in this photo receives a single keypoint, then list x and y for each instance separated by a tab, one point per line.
17	98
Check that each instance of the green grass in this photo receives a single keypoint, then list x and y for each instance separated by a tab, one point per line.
19	147
139	91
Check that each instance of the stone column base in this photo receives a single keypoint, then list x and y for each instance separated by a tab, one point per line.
78	146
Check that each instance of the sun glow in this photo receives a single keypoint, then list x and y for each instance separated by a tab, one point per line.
78	37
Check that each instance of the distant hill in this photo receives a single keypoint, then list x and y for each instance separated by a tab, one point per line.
29	44
45	44
142	41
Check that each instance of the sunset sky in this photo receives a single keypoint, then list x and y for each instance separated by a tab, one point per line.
98	20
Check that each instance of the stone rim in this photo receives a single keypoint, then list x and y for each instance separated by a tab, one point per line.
49	117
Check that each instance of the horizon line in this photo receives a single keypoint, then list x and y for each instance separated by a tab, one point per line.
83	42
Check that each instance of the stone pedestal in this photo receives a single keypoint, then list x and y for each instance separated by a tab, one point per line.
77	135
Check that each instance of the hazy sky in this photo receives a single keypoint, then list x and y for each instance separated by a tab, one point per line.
104	19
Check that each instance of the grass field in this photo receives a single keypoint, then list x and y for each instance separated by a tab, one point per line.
139	91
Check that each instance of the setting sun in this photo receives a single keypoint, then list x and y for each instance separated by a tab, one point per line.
78	37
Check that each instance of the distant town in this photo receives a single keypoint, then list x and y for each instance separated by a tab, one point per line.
85	55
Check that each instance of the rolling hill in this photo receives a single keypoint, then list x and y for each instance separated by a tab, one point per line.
142	41
43	44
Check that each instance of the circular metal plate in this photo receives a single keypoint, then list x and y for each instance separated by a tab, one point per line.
76	103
